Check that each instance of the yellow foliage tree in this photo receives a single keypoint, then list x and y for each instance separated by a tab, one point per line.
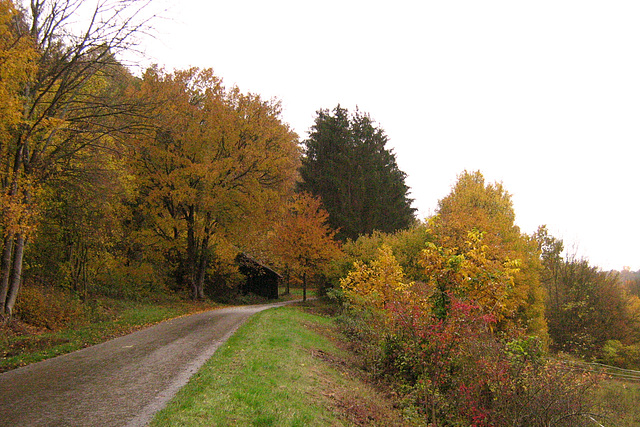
55	104
470	275
472	210
377	284
17	69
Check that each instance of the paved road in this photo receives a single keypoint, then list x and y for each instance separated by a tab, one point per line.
122	382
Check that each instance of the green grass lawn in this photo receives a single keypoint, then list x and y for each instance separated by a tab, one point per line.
280	369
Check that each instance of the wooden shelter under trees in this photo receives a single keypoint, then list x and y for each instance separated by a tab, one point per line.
261	280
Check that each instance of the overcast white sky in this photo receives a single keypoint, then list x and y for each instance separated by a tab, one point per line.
541	95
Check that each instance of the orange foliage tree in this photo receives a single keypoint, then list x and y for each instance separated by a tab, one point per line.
303	241
212	159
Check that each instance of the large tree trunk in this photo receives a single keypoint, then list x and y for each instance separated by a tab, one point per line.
11	264
192	251
202	268
16	274
197	255
287	278
202	265
5	271
204	254
193	277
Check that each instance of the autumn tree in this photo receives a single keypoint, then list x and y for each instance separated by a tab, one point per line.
406	244
551	250
591	309
81	224
631	280
470	274
63	106
303	241
17	70
585	306
347	164
487	209
380	284
211	160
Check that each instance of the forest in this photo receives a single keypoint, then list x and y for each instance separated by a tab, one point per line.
135	187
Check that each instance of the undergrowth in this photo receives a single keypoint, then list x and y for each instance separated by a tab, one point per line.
51	322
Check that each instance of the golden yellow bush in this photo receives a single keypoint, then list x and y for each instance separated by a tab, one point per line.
49	308
378	283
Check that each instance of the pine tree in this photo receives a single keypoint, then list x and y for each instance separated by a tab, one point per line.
346	163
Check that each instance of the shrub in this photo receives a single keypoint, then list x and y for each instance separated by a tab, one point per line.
458	372
136	281
618	354
49	308
452	356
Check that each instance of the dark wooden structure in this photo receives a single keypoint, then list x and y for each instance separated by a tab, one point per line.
261	280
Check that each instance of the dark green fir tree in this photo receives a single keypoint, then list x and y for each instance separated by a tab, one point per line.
346	163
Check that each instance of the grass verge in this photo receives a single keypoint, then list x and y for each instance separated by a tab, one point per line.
284	367
22	345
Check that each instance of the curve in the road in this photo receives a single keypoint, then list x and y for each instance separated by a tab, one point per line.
122	382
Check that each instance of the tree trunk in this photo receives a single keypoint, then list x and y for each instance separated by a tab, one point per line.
5	270
84	281
202	267
200	279
192	254
287	278
16	274
191	277
304	286
434	419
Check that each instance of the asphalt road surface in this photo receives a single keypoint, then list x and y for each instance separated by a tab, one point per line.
122	382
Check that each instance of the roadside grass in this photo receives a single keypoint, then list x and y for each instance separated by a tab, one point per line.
22	344
286	366
296	293
26	345
620	399
283	367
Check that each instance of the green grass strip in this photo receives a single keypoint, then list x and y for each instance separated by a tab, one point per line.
265	375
